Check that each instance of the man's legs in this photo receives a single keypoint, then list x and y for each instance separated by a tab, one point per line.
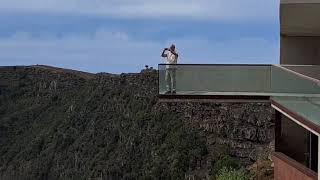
168	80
173	80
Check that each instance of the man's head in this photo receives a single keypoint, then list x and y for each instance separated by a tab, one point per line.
172	47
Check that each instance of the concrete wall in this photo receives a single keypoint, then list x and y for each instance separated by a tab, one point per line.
300	50
300	32
300	19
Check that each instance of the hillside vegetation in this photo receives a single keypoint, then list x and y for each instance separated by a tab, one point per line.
64	124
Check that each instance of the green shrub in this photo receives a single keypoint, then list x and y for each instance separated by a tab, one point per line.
225	162
232	174
179	151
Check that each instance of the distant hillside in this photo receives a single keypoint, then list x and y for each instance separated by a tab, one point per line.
65	124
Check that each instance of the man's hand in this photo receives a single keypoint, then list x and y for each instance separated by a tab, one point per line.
163	52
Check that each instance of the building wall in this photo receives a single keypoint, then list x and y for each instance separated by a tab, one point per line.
300	32
288	169
300	19
300	50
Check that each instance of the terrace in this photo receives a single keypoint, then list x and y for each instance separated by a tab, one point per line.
294	93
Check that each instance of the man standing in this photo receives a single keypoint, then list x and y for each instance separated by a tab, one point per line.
171	56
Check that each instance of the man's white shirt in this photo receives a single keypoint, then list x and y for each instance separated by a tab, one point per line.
171	58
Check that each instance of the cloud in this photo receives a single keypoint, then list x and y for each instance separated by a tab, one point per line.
243	50
230	10
117	49
101	51
118	52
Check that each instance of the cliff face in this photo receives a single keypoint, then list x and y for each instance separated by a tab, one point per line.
245	127
57	123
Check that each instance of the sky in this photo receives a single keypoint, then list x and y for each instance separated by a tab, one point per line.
125	35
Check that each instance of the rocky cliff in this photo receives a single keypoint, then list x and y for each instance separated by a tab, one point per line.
64	124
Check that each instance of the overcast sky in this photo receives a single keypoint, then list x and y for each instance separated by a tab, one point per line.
124	35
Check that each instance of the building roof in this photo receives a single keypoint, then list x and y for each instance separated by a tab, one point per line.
304	110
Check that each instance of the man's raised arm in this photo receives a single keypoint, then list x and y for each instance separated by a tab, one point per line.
163	52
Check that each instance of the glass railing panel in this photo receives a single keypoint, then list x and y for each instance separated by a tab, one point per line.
162	81
312	71
285	81
215	79
252	80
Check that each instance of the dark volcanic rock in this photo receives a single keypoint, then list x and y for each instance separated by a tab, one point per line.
64	124
231	123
